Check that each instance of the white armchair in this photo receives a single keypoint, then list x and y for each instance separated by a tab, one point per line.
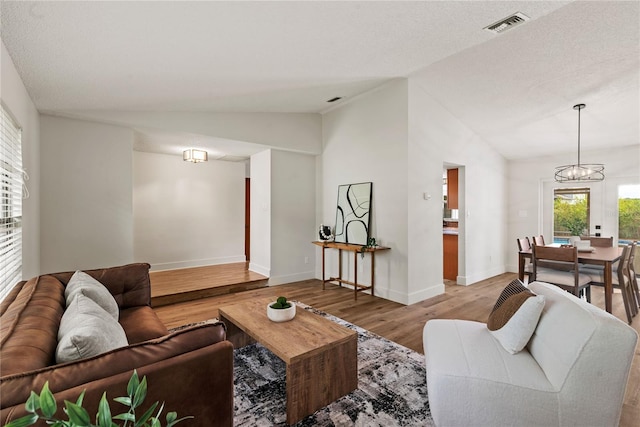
573	371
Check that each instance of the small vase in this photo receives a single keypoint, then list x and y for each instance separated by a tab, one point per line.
281	314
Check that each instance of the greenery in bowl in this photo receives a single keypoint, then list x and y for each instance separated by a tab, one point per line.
281	303
43	407
371	243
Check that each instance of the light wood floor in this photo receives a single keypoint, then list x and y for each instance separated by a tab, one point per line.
188	284
397	322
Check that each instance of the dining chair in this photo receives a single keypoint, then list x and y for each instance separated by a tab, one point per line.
620	278
633	275
599	242
573	281
525	245
538	240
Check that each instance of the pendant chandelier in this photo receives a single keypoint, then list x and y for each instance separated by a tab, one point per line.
580	172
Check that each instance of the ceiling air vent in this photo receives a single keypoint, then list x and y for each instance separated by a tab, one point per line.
507	23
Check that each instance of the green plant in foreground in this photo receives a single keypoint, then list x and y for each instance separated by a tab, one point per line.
281	303
44	407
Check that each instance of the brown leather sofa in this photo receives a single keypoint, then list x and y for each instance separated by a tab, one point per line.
190	370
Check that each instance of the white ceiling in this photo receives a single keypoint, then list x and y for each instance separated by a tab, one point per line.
515	89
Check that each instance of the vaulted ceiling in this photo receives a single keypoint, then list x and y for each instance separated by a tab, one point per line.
516	89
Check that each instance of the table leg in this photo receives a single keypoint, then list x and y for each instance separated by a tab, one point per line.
323	281
235	335
521	267
355	275
608	286
340	267
373	264
315	381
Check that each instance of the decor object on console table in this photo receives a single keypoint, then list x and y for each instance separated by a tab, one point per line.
325	233
353	213
355	249
281	310
371	243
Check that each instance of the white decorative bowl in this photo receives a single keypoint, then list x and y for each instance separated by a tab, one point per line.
281	314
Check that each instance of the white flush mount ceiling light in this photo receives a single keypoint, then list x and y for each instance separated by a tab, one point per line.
195	156
580	172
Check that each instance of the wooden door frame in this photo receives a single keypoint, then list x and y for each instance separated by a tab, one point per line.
247	218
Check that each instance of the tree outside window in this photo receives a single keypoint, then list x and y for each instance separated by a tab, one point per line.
570	212
629	217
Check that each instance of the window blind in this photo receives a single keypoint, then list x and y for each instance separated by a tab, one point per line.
11	184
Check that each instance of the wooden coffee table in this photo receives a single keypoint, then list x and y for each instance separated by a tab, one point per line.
320	355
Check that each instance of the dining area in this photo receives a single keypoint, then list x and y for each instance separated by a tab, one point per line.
581	263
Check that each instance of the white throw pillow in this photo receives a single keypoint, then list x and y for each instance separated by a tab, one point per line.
515	316
82	283
87	330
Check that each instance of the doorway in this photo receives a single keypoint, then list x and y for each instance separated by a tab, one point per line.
450	229
454	223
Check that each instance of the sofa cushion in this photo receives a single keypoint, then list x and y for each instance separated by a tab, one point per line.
141	324
87	330
82	283
473	380
129	284
29	324
515	316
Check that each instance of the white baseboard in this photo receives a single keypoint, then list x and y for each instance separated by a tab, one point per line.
289	278
265	271
469	280
196	263
426	293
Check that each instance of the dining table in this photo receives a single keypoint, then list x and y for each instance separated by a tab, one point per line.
604	256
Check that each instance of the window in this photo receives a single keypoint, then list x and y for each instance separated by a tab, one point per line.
570	213
11	184
629	218
628	213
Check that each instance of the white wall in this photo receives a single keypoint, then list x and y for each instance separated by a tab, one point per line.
187	214
531	185
260	222
437	138
282	216
400	138
293	224
299	132
86	218
366	140
17	101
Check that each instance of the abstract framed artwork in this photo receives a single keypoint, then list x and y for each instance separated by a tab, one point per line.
353	214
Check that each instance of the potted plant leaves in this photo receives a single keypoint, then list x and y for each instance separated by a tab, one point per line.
44	407
281	310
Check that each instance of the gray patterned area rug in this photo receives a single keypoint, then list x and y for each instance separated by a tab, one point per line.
392	388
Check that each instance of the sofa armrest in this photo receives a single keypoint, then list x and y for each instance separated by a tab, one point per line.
15	389
11	296
129	284
198	383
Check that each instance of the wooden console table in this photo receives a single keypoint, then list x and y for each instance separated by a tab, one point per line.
356	249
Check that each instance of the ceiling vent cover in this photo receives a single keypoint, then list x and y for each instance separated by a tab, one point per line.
507	23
